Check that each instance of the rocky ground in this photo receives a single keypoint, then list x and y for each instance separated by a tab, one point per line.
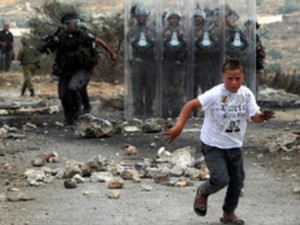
271	194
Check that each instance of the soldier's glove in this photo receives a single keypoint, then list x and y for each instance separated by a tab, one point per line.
267	114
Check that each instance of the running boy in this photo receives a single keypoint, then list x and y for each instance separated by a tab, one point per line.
227	107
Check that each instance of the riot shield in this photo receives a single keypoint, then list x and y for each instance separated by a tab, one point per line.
141	58
174	45
239	36
206	36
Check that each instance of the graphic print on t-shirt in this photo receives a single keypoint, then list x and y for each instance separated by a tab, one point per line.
233	107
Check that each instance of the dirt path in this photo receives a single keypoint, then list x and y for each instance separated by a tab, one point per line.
268	197
266	201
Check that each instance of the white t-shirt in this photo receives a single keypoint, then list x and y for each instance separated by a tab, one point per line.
226	114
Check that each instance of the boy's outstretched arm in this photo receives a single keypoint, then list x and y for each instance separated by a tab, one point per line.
183	117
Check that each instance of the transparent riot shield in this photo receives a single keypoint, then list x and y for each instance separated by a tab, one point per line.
239	36
206	37
174	54
141	58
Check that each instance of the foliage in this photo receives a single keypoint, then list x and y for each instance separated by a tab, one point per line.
275	54
109	28
289	7
275	67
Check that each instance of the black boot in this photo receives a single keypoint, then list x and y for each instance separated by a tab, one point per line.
31	92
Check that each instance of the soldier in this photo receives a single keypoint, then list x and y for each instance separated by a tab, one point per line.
206	52
29	60
143	75
237	42
75	60
258	55
6	48
174	64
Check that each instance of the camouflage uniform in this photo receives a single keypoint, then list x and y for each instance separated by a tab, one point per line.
29	60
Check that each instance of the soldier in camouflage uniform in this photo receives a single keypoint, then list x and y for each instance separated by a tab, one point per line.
75	59
29	60
174	65
143	70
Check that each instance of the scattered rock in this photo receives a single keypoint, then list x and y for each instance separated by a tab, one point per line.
101	177
115	183
146	187
70	183
296	190
38	162
19	197
115	194
78	178
6	166
260	156
3	112
151	126
35	177
89	126
286	142
29	126
130	149
2	197
132	129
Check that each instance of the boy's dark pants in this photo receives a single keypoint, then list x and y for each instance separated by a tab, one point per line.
226	168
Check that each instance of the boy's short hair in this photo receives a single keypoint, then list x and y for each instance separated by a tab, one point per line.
232	63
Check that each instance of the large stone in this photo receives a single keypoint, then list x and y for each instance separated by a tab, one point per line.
115	183
151	126
35	177
98	163
286	142
70	183
101	177
130	149
89	126
72	168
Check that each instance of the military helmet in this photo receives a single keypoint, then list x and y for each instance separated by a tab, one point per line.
70	18
173	12
199	12
141	11
232	14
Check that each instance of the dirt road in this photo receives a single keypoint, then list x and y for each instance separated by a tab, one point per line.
268	197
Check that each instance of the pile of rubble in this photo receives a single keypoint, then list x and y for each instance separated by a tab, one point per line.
89	126
43	106
285	142
177	169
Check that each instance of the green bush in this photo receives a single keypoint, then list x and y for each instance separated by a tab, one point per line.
289	7
275	54
109	28
275	67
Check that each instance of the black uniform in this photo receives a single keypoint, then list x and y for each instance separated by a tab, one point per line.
143	70
6	49
75	59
